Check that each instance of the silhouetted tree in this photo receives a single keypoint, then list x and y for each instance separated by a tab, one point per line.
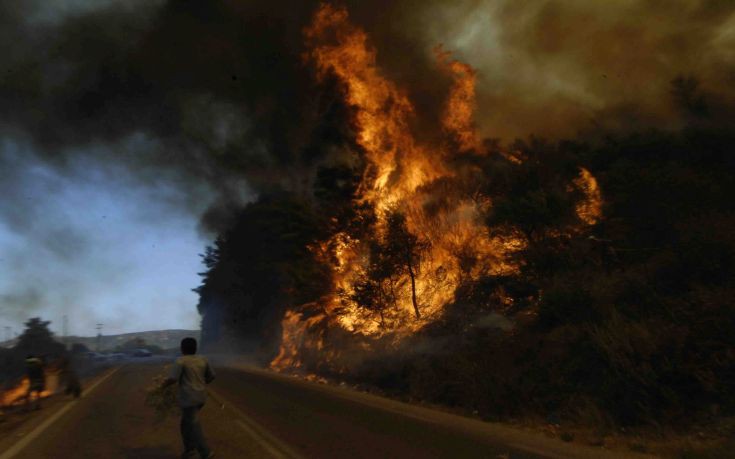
535	195
37	339
259	267
375	288
405	251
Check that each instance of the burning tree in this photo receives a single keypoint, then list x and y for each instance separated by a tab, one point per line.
402	220
36	340
405	251
375	289
389	224
398	253
406	262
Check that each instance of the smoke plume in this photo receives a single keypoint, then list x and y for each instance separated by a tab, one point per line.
209	103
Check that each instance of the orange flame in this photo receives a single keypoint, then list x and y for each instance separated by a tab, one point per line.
398	176
17	395
399	168
296	332
589	210
458	118
398	164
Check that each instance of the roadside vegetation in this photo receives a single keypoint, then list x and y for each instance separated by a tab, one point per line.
36	340
626	322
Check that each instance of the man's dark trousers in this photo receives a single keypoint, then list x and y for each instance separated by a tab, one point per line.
191	431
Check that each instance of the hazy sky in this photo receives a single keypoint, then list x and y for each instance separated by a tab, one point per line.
93	242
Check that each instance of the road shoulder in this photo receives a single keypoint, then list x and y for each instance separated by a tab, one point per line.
515	438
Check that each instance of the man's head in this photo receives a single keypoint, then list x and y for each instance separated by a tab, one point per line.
188	346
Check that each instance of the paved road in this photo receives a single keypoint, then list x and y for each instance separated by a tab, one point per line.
269	416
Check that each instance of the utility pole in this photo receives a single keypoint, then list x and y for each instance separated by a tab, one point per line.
65	332
99	336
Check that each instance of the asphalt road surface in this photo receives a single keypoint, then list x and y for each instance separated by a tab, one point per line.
256	414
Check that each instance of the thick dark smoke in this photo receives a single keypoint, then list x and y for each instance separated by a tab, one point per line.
212	97
222	87
217	85
552	67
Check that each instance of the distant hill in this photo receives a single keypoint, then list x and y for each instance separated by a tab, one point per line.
166	339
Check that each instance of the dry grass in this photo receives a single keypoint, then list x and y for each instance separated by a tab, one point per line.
162	399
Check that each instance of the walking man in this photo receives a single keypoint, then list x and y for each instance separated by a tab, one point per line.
192	373
69	376
36	380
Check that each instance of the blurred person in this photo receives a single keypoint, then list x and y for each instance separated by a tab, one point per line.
36	380
192	373
70	378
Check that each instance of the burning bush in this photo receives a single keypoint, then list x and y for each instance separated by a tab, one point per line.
37	340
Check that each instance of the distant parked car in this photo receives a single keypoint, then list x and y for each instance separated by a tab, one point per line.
142	353
118	356
94	356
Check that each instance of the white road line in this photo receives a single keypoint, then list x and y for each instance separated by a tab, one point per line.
264	444
275	447
23	442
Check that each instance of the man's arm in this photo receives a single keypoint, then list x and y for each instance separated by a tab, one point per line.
173	376
208	374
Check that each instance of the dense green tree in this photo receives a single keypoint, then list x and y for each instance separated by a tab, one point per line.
259	267
37	339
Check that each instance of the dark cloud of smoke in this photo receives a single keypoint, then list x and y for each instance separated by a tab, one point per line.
206	103
27	298
552	67
217	86
222	90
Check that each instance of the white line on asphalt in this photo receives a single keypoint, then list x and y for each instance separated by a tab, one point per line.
275	447
23	442
267	446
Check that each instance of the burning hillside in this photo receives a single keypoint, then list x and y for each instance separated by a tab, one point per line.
428	236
